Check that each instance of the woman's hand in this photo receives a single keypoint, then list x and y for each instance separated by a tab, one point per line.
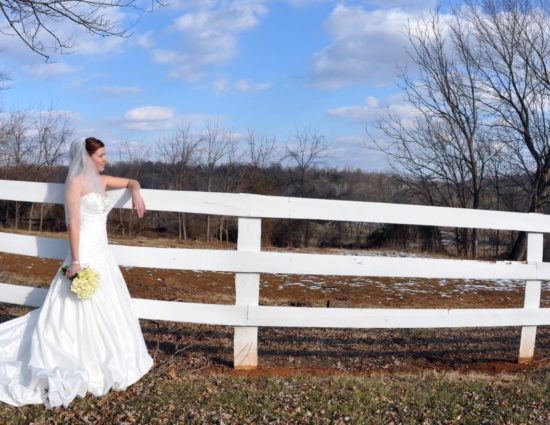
133	185
73	269
137	203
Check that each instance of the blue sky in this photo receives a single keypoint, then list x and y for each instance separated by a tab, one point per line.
271	66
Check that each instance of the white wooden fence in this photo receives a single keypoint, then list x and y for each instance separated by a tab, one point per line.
248	261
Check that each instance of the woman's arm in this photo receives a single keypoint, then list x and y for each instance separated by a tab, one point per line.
72	198
133	185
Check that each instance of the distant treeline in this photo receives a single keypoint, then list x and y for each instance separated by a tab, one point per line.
273	179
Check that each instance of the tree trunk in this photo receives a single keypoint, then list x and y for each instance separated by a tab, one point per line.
306	234
131	224
121	221
183	226
476	202
208	187
220	229
458	244
30	216
17	214
179	227
474	244
519	249
226	231
41	217
7	219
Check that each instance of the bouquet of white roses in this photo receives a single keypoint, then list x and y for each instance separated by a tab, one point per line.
84	283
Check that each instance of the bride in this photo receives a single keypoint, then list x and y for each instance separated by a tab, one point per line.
71	346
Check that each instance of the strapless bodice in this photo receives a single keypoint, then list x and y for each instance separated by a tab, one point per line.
94	209
95	204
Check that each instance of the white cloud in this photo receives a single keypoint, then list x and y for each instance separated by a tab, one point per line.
49	70
120	90
367	47
149	118
155	118
165	56
303	3
211	34
149	113
221	85
145	40
352	151
403	4
183	66
197	119
373	108
189	73
99	46
380	4
230	18
147	125
245	86
87	81
242	86
190	4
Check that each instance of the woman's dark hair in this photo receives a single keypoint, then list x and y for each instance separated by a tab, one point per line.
93	144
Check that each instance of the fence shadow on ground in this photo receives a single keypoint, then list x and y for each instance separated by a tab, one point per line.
351	350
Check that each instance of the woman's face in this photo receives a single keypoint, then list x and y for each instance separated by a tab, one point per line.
99	158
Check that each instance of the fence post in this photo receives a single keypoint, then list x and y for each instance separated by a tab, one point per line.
532	298
247	292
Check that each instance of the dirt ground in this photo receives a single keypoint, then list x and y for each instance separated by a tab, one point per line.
321	352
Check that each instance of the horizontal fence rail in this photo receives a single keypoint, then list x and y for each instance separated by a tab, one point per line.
311	317
262	206
286	263
249	261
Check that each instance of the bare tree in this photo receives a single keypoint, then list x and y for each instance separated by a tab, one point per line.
309	150
230	183
16	149
497	169
53	131
444	152
483	78
260	150
214	146
259	155
36	22
512	55
179	151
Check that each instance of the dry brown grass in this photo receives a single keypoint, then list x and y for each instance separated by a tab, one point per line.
317	352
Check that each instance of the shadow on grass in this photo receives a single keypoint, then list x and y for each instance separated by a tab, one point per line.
350	349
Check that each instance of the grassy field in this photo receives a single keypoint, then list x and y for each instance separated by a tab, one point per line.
166	397
321	376
314	376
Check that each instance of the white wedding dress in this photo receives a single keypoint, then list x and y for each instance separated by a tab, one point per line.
69	346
